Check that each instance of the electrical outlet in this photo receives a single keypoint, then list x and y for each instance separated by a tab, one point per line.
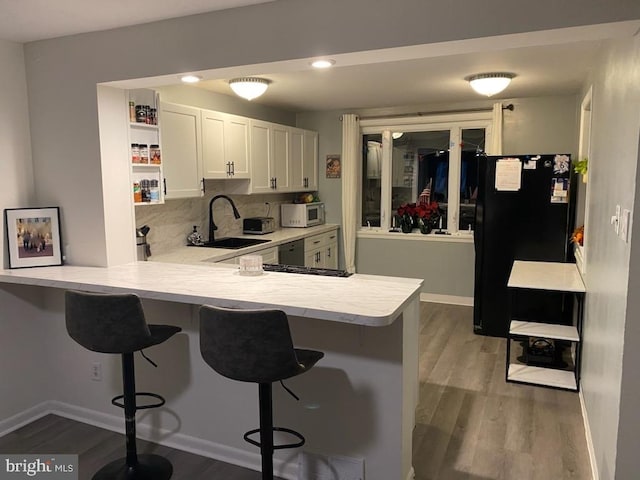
96	371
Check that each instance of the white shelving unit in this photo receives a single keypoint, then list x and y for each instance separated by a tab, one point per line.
147	134
549	276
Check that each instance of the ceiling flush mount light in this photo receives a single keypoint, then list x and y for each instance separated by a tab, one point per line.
490	83
323	63
249	87
396	135
190	78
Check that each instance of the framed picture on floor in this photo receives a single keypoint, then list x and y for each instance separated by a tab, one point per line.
33	237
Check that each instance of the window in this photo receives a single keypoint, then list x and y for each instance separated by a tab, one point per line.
422	155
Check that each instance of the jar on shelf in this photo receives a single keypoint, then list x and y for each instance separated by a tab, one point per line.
154	154
137	193
153	114
141	114
145	190
135	153
147	111
144	153
154	191
132	112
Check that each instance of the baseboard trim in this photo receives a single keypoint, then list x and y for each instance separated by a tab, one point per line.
448	299
23	418
164	437
589	438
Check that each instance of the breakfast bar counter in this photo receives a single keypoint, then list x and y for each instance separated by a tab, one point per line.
358	403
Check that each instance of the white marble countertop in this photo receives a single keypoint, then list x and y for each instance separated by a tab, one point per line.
562	277
196	255
359	299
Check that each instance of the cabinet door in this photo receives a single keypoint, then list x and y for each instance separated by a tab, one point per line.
214	160
236	140
296	155
314	258
261	168
181	151
280	156
310	160
331	251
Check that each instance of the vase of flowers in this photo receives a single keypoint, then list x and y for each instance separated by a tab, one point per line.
424	216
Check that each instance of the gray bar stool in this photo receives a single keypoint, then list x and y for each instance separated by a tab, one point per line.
255	346
115	323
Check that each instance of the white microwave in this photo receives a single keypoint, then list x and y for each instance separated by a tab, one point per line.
301	214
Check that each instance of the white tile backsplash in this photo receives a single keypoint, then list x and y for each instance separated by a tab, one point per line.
172	221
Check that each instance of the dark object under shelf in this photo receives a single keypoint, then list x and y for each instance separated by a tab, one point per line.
542	352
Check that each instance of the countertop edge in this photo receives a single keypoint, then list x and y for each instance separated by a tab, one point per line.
101	280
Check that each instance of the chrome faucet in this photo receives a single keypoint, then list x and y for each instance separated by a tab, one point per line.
212	226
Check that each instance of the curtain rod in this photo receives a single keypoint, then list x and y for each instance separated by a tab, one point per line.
438	112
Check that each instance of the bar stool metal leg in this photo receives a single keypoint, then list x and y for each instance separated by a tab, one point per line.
133	467
266	429
129	384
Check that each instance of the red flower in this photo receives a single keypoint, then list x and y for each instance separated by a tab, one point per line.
407	209
427	210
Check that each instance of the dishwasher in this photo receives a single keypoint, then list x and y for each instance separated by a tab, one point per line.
291	253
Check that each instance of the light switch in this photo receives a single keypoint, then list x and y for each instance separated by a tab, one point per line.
615	220
625	219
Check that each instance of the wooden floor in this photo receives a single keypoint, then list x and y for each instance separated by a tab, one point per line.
471	425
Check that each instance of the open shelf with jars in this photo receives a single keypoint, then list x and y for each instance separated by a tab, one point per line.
144	148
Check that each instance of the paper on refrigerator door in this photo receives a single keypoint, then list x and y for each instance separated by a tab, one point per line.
508	174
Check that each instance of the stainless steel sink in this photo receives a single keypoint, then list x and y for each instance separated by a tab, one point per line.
233	242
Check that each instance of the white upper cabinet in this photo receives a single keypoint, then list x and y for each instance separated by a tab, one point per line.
303	160
296	155
225	145
281	160
310	161
202	144
262	172
181	150
269	157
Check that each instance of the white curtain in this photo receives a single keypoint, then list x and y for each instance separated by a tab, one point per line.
494	147
350	164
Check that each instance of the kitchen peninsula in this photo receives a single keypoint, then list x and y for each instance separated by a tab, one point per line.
358	403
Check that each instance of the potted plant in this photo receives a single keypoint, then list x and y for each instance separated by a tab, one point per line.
581	167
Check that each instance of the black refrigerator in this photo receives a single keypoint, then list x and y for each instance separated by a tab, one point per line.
524	211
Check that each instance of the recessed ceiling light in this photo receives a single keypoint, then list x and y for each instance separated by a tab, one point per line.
323	63
190	78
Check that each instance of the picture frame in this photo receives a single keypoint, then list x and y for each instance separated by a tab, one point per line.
33	237
333	166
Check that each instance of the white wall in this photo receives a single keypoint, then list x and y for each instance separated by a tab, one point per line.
22	387
16	180
610	358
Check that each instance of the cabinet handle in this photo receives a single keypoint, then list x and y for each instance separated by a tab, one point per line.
232	170
164	186
204	188
329	252
316	241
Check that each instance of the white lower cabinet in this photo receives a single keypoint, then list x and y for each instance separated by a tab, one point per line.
321	251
